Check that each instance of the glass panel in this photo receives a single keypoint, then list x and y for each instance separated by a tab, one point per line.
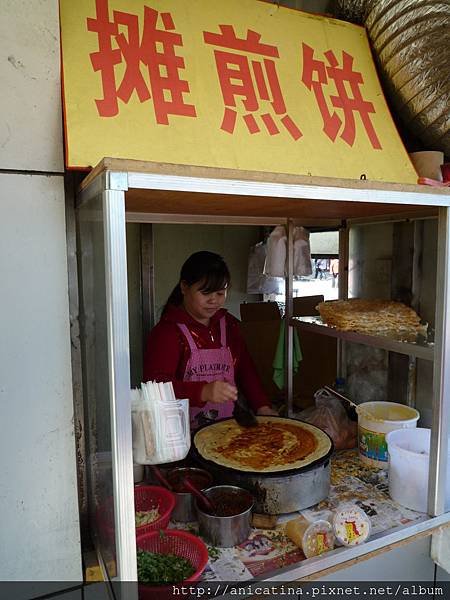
96	377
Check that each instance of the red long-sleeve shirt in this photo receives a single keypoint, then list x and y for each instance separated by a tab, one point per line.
167	353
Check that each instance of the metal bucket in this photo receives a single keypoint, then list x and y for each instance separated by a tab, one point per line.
226	531
185	510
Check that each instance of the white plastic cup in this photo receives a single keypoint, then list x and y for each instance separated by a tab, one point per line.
409	459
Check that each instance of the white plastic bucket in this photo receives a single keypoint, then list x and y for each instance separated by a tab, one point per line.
409	458
375	420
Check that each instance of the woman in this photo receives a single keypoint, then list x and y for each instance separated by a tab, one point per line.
198	345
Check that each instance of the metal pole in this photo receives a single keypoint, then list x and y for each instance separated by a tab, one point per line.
341	367
147	279
343	260
289	332
441	372
412	380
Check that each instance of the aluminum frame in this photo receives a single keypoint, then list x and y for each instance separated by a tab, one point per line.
344	244
113	204
288	311
119	353
441	373
119	367
241	187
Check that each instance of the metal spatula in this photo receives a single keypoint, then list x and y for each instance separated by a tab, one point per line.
243	413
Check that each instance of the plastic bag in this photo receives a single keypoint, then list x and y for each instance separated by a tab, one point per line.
302	252
275	265
329	415
276	252
257	281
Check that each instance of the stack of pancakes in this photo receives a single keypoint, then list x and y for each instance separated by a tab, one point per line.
373	317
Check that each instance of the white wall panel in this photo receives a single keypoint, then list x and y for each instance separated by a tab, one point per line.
442	575
38	497
411	562
30	98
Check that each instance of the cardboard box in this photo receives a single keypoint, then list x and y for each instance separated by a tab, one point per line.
260	327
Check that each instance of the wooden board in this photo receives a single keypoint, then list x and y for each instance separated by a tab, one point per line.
196	203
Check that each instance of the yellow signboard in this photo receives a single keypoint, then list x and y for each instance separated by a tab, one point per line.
242	84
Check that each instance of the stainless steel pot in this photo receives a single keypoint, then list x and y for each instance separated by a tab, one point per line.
228	531
185	510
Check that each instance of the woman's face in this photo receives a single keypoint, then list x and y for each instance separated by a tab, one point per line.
201	305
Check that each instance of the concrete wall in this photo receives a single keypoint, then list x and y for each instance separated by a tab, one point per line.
38	494
30	102
174	243
374	273
370	262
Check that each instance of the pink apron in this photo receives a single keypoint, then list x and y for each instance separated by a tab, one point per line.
209	365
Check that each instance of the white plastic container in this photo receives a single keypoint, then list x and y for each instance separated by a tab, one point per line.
409	458
160	424
375	420
351	525
313	538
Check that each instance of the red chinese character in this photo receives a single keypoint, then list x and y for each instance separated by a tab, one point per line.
105	59
254	81
156	50
316	75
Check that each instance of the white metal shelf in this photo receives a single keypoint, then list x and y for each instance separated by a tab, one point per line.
419	349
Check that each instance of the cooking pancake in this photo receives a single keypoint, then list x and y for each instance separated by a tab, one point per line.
274	445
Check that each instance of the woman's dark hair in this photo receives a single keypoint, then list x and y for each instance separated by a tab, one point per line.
206	267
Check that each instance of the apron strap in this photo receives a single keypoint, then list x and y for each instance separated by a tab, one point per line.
187	334
223	333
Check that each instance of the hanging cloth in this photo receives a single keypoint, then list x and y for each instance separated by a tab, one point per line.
279	358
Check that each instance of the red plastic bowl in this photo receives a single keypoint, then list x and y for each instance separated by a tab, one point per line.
148	497
172	541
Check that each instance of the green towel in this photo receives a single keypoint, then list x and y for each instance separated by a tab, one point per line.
279	360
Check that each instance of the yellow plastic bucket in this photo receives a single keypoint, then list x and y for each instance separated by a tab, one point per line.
375	420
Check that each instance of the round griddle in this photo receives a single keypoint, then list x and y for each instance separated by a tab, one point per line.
261	474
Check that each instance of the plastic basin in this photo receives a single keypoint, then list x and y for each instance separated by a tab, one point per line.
409	458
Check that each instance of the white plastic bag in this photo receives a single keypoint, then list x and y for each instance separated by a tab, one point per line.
302	252
257	281
276	252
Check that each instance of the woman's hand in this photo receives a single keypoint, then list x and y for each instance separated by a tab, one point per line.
218	392
266	411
